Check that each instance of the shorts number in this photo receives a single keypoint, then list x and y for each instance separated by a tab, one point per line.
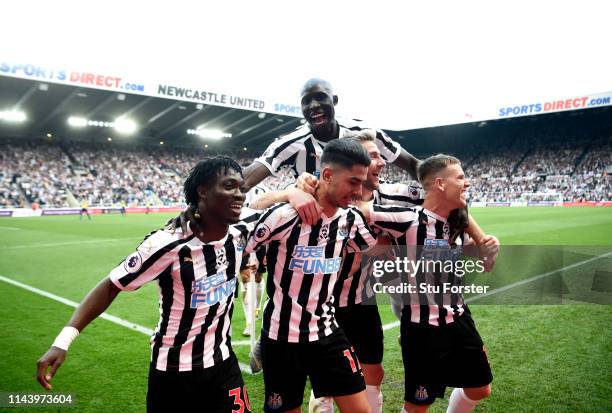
349	355
239	402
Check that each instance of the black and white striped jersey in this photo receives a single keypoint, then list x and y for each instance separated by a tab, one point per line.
352	280
301	151
425	236
303	265
196	283
254	194
399	194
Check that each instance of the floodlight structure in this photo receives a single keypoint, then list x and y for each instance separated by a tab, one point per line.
77	121
213	134
124	126
14	116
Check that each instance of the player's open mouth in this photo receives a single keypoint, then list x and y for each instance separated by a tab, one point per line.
236	207
318	119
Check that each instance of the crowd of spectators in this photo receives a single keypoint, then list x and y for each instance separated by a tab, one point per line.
66	174
33	172
109	176
571	171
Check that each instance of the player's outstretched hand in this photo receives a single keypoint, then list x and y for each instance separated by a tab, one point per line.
48	364
489	249
307	183
182	220
306	206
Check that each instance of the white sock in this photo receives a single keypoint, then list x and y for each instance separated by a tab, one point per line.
460	403
258	291
320	405
245	300
375	398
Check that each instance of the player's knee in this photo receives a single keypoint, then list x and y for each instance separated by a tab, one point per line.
373	374
258	277
362	408
478	393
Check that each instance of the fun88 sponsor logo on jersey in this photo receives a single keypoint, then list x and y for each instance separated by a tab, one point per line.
311	260
208	291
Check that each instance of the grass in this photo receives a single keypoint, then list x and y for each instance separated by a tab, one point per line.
545	358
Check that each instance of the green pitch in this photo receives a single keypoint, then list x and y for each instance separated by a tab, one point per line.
545	358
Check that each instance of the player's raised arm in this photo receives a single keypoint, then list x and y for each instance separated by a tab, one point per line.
407	162
254	174
305	204
394	153
94	304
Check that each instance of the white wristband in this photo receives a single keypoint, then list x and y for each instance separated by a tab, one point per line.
65	338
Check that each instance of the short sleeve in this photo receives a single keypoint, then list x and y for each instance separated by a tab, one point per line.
273	224
362	236
283	151
393	219
388	148
400	194
152	257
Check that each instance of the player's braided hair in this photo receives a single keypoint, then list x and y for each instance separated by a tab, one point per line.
205	173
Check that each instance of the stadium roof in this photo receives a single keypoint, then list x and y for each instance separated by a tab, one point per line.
48	106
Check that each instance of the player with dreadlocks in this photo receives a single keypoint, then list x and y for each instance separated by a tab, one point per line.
192	361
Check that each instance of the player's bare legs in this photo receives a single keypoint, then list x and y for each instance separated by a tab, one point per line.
373	375
465	400
478	393
461	400
353	403
247	275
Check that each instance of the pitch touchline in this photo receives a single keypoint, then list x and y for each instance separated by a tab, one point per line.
517	284
535	278
59	244
243	366
106	316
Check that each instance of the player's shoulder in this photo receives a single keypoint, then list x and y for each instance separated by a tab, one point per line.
356	212
277	212
280	214
301	132
240	233
433	215
161	238
353	124
412	191
283	211
249	215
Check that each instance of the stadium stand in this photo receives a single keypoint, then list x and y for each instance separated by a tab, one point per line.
63	173
578	170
